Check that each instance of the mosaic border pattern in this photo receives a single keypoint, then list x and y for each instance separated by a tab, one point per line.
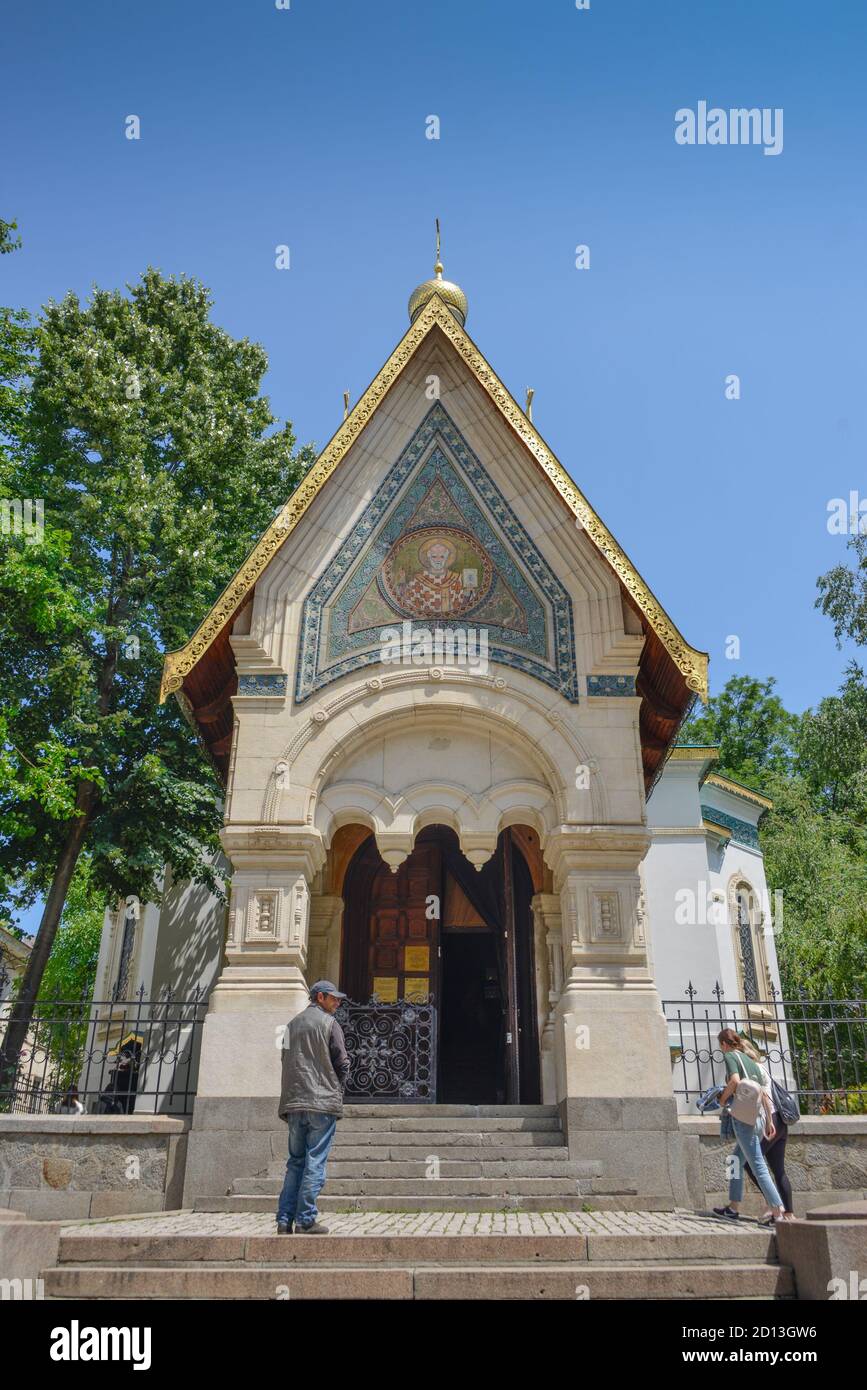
611	685
263	685
561	675
741	830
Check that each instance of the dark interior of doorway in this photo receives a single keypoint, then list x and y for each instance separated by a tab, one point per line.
468	975
471	1033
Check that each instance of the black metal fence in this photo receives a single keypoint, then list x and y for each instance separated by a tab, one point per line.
392	1050
814	1047
108	1056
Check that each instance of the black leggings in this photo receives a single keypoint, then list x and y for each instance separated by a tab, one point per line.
775	1154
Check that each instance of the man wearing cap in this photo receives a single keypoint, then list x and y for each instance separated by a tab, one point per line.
315	1073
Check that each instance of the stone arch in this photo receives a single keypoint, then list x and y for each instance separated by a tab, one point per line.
336	730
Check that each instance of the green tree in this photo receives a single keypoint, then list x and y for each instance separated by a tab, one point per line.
832	749
8	242
71	968
843	595
143	430
751	726
67	985
822	946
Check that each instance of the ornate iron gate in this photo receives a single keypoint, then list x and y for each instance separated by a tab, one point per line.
392	1051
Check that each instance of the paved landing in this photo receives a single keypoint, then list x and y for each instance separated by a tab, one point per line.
430	1223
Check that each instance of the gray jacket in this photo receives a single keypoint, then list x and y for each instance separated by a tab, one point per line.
315	1064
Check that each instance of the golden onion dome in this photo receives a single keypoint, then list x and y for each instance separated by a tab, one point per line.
447	290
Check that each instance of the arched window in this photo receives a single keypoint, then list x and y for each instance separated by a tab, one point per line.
122	984
746	947
746	918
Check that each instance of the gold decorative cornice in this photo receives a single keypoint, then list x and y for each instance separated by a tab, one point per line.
436	314
708	754
727	784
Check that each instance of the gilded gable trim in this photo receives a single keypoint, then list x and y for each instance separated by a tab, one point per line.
690	662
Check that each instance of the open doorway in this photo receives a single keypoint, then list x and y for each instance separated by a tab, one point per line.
396	947
471	1030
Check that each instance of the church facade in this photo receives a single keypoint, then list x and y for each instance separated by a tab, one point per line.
440	697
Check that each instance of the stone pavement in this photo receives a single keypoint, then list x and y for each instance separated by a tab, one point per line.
428	1223
419	1255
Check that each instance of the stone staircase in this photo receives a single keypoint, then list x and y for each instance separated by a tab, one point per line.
503	1255
439	1158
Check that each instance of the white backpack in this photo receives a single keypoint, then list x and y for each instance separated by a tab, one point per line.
747	1099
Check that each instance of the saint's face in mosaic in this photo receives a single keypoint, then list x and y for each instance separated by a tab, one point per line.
436	572
437	589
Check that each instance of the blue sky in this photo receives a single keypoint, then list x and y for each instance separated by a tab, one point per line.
307	127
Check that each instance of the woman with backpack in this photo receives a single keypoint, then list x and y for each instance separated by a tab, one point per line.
749	1090
784	1111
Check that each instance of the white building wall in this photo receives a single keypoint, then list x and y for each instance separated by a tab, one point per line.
691	872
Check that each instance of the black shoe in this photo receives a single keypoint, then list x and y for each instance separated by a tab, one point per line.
315	1228
727	1213
284	1228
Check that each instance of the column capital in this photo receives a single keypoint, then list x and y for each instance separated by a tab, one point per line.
478	846
395	846
290	849
583	849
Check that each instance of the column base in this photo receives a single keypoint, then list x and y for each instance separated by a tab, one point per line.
242	1035
235	1123
614	1089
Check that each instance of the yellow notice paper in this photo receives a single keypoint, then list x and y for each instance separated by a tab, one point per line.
385	986
418	988
416	958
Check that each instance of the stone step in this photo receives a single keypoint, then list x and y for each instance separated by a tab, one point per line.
397	1122
453	1153
456	1187
630	1201
448	1168
575	1281
415	1184
352	1110
149	1249
592	1282
445	1139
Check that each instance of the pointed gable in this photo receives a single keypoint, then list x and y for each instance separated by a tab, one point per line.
671	672
438	544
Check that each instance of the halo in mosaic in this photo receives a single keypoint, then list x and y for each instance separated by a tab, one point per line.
438	547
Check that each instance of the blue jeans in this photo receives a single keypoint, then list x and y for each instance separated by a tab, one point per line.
310	1136
749	1150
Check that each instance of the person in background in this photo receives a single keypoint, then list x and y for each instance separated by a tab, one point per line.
739	1064
315	1073
69	1102
774	1149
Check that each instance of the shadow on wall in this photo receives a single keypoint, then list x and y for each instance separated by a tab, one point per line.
189	957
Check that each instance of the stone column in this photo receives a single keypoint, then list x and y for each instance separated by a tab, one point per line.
326	915
611	1045
549	983
261	988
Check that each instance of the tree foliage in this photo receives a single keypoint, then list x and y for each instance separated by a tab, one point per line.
843	595
140	427
814	768
751	726
71	968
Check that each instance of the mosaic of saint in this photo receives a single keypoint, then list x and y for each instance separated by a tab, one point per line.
434	573
437	568
437	545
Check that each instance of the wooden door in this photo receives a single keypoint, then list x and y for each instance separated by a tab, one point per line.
399	932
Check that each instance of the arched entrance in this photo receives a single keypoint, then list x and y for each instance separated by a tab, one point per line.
440	929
